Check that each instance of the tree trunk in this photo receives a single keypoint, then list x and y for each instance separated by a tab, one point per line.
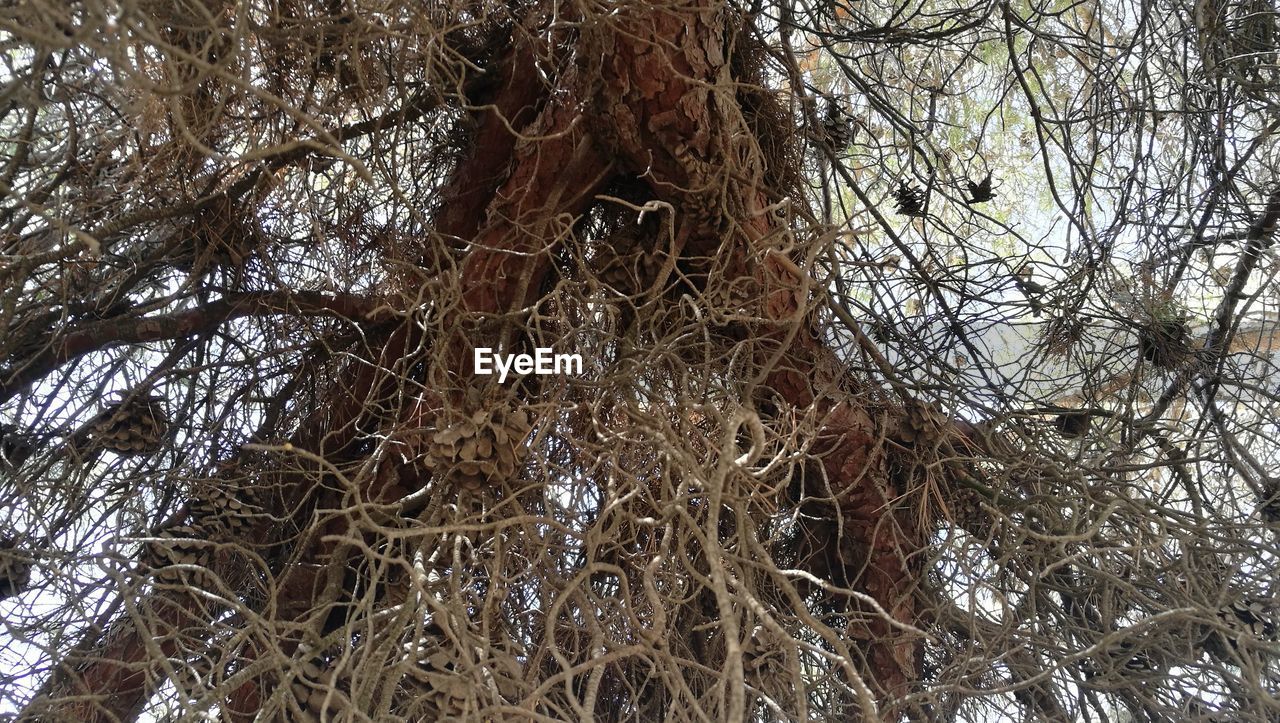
661	111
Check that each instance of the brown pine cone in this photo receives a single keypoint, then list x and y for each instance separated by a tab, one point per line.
130	427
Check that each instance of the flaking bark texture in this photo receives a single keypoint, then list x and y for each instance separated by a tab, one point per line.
660	107
665	111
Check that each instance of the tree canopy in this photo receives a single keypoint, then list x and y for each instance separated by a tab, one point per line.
929	356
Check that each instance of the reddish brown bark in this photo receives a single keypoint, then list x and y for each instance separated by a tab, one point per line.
551	177
663	112
658	115
117	678
659	91
105	685
511	103
474	186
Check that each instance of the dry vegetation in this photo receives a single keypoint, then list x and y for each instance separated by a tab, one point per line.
929	361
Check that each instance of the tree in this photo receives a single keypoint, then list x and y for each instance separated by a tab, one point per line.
927	348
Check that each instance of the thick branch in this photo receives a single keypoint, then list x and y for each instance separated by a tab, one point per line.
96	336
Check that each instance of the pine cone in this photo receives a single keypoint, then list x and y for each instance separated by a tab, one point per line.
227	512
440	688
442	691
130	427
479	448
910	200
15	446
920	424
1251	617
446	696
15	569
216	515
1245	620
320	692
1269	504
1073	425
180	549
837	126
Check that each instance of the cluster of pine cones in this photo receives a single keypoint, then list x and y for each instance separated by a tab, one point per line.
837	130
216	515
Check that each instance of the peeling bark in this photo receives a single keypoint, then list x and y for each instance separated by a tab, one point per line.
663	110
